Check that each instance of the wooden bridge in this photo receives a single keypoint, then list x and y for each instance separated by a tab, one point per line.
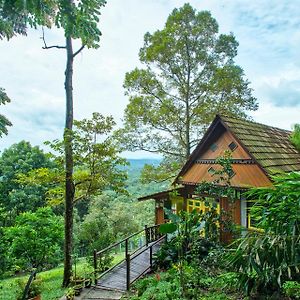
137	260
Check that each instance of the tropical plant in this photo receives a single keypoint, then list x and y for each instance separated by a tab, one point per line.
269	258
189	76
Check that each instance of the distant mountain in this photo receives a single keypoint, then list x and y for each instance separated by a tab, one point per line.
138	164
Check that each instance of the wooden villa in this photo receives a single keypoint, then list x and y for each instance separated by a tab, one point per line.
258	151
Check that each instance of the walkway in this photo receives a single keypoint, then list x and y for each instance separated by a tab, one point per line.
140	263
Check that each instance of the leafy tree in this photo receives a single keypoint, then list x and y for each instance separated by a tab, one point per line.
4	122
36	239
189	76
295	137
15	198
96	160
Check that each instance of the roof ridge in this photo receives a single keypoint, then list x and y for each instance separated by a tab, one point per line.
253	122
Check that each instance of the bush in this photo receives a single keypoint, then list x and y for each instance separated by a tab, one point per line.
36	239
291	289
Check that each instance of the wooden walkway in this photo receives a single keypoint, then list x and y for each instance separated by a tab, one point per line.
140	263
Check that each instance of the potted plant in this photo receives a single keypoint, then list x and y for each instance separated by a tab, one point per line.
88	282
70	294
78	289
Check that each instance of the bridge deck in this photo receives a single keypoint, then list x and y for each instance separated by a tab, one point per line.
139	264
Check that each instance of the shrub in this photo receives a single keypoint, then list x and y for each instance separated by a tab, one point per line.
36	239
291	289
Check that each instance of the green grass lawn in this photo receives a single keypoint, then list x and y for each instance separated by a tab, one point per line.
52	280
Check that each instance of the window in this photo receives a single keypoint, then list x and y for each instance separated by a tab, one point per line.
211	171
232	146
231	173
213	147
203	204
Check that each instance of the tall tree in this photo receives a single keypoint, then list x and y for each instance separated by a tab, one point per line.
189	75
79	20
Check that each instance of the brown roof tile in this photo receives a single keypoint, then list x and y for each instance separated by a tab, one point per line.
270	146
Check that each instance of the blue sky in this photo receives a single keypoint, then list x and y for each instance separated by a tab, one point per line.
269	52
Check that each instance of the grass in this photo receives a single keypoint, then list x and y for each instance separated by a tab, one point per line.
51	283
51	280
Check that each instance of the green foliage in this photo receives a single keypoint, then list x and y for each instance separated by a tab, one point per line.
35	288
200	285
295	137
189	76
18	160
4	122
277	209
220	186
36	239
291	289
97	165
266	260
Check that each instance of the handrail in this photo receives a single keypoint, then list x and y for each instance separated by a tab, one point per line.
118	243
151	235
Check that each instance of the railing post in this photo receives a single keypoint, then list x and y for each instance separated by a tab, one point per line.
146	235
151	260
95	266
128	272
126	248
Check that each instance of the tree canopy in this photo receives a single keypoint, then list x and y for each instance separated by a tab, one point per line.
189	76
18	160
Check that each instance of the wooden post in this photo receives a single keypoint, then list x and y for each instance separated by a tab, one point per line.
95	266
151	261
128	272
146	235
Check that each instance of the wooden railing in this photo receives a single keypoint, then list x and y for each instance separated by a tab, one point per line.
145	238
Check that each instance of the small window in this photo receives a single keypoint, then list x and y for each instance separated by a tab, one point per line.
231	173
213	147
232	146
211	171
197	203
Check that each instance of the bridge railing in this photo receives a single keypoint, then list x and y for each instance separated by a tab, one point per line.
123	251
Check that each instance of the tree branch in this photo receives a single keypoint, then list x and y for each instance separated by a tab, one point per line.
78	51
49	47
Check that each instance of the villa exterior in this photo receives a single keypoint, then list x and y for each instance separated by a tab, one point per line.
258	151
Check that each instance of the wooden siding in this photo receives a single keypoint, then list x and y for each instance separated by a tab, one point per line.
234	209
246	175
159	215
222	142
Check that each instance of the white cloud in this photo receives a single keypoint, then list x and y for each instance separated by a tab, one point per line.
268	33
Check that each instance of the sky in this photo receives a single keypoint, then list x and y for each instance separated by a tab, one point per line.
268	33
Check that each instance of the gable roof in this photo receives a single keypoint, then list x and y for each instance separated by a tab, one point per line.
270	147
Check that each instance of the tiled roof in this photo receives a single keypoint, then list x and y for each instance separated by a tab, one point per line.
270	146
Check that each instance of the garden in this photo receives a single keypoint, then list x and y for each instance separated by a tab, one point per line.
263	264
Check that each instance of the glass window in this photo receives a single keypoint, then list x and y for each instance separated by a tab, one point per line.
232	146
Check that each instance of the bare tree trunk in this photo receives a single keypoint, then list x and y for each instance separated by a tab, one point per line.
70	188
